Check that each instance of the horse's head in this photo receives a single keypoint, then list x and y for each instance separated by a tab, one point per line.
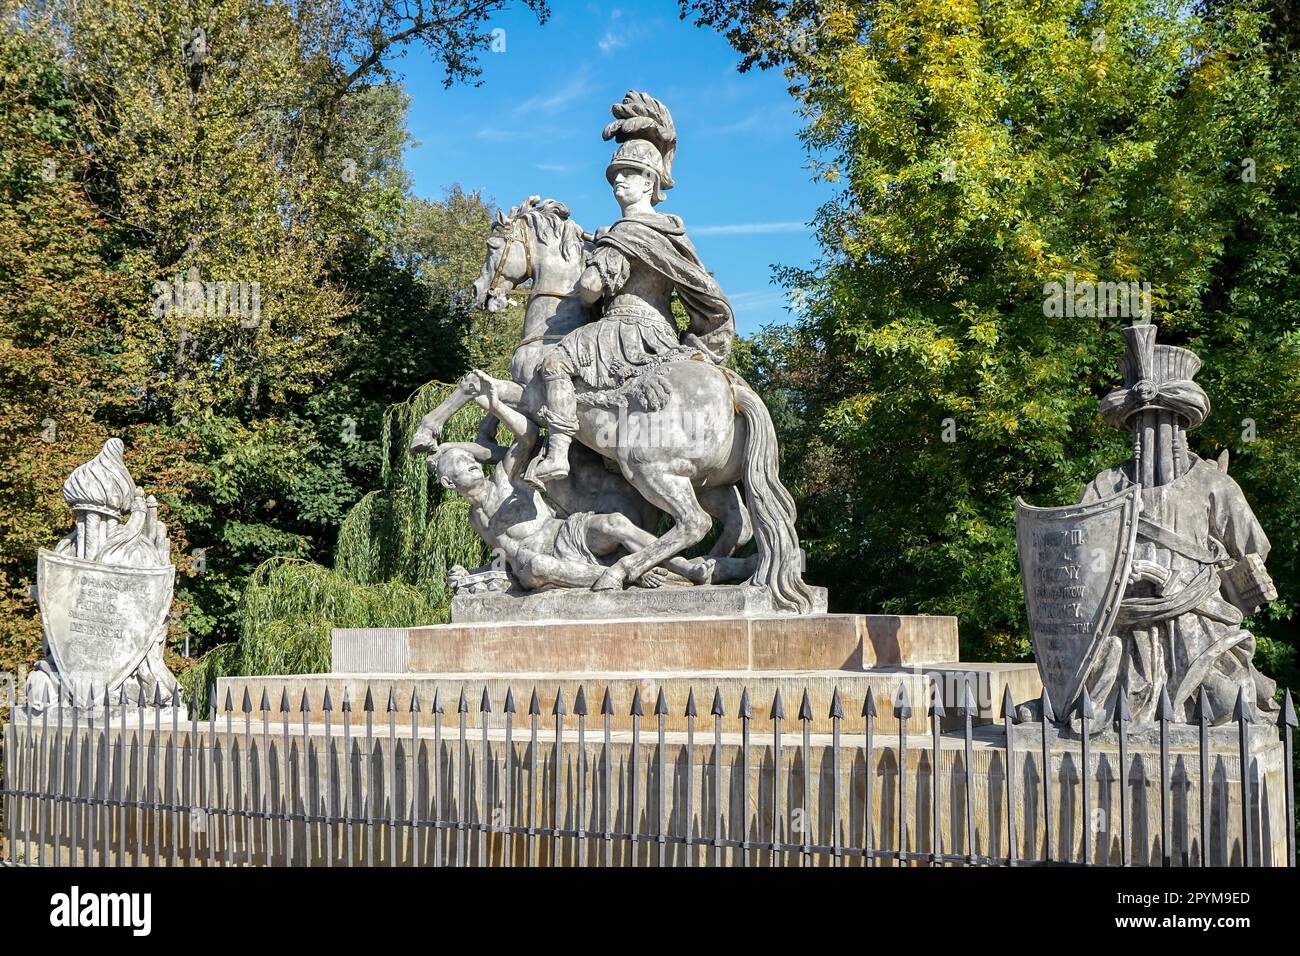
524	242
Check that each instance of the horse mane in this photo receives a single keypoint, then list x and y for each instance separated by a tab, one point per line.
550	222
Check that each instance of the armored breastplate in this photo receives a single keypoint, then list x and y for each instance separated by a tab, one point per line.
644	296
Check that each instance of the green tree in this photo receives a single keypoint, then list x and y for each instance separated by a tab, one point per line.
982	151
63	368
255	278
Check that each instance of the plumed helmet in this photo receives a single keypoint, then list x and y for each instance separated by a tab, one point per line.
639	154
644	128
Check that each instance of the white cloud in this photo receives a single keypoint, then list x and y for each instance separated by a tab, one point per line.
618	33
547	104
758	300
749	229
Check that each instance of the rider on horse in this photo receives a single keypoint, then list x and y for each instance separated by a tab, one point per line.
635	266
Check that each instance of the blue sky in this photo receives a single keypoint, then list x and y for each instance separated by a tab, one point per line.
534	127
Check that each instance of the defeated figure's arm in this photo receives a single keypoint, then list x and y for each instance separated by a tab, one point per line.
520	452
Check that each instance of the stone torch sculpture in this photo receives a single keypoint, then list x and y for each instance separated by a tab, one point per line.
104	594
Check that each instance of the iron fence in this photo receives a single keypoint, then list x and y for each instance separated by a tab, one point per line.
110	781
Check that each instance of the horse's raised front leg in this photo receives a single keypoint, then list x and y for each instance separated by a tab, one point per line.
676	496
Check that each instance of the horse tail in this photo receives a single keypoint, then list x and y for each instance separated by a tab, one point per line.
771	508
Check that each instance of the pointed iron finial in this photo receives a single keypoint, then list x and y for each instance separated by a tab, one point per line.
936	699
368	705
558	709
328	703
1165	709
1241	710
805	708
606	705
414	706
837	706
534	705
691	710
305	705
746	709
284	699
902	703
778	707
157	694
717	709
661	704
437	701
347	699
580	703
1286	716
968	705
1085	708
637	709
1045	704
869	704
485	705
462	705
392	699
1204	713
510	700
1008	704
265	703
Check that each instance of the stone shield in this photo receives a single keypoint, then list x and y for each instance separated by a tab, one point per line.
100	620
1074	563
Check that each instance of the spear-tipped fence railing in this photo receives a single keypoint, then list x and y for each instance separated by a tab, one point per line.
98	779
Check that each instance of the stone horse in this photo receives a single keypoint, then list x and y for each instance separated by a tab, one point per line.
686	434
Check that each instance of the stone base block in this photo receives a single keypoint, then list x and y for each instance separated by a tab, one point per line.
851	642
581	604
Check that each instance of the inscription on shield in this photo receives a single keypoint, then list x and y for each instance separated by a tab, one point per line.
100	620
1074	563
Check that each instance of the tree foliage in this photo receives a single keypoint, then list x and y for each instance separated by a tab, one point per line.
241	149
983	150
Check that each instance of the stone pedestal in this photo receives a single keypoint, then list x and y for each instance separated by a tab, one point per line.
833	642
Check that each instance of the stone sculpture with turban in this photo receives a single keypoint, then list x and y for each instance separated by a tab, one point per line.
1199	559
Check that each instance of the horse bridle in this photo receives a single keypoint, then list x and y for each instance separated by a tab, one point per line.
519	233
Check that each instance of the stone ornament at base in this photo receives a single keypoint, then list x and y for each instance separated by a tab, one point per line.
105	592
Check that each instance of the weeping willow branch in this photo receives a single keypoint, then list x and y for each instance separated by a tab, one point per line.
390	563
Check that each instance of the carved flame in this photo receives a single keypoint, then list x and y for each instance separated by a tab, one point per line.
102	484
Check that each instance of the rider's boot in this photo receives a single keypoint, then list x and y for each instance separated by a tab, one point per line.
561	417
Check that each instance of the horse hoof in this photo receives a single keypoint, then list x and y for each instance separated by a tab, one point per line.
703	571
611	580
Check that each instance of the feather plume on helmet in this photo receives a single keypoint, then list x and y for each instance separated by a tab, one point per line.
648	139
